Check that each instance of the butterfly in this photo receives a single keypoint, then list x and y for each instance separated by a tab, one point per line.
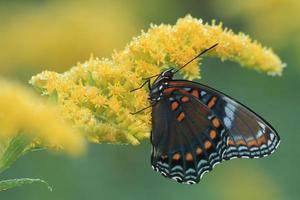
195	127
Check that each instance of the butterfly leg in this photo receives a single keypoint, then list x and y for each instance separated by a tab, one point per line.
149	85
147	81
142	109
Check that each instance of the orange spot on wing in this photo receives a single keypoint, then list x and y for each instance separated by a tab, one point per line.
177	83
231	142
195	93
181	117
213	134
176	156
189	157
207	144
212	102
252	143
241	142
216	122
184	99
170	90
199	151
262	140
174	105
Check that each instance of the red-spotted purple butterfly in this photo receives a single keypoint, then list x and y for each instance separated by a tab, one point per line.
195	127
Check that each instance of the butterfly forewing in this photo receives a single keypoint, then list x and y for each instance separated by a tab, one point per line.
248	134
188	138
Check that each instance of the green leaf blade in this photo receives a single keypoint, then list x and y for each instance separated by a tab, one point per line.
12	183
11	150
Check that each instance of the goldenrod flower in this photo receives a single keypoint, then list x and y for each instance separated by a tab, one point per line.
23	113
95	94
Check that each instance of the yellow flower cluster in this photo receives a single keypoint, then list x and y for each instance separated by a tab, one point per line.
95	94
21	112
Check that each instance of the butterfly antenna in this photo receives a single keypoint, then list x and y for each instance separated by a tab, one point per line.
201	53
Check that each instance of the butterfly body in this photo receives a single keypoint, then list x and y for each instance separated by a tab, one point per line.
159	85
195	127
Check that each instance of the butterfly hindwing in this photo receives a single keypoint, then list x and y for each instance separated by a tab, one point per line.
187	138
248	134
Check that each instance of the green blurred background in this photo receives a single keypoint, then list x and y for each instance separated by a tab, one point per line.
36	35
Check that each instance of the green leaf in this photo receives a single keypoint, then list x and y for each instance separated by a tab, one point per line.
11	150
11	183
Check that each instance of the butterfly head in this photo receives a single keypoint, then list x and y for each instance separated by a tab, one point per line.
164	76
168	74
160	83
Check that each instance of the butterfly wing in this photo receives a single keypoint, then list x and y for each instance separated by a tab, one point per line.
249	135
188	139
